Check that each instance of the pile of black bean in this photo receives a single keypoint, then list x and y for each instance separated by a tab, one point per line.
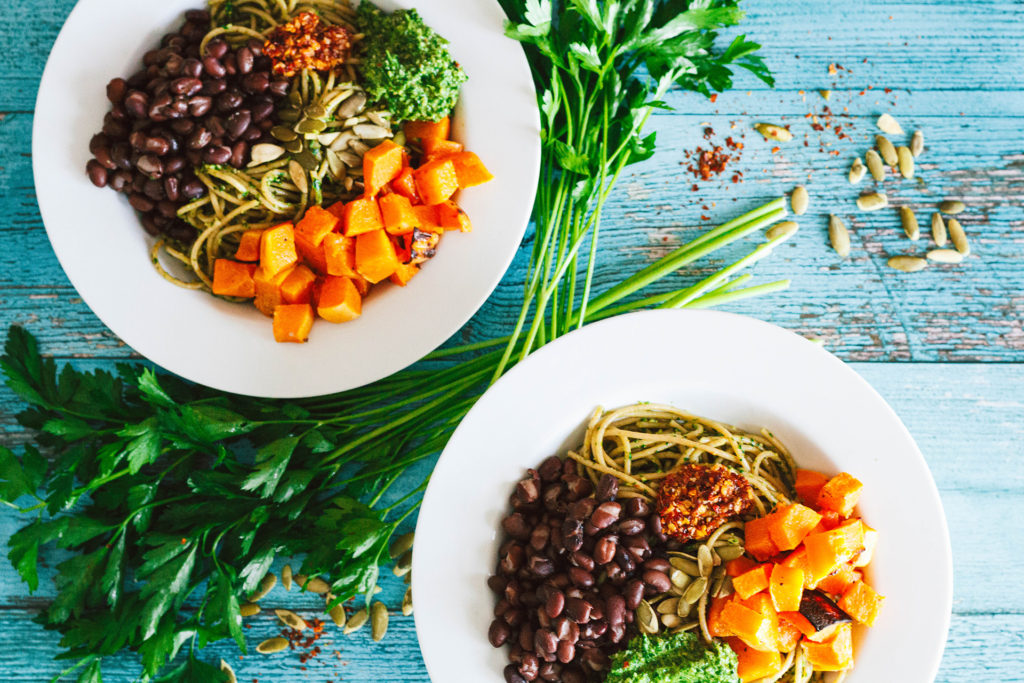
573	566
180	110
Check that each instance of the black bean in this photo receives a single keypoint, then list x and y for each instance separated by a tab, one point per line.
606	514
539	537
238	153
499	633
139	182
187	86
577	486
172	67
632	526
529	666
228	101
658	564
633	593
579	609
582	560
114	128
104	158
217	154
515	526
550	469
214	67
253	134
280	88
659	581
171	185
119	180
216	126
156	145
541	566
97	173
230	62
217	48
497	584
555	603
572	535
174	164
511	674
154	189
116	90
573	676
604	549
193	68
214	86
544	640
150	226
594	659
528	490
137	103
199	105
262	111
638	507
150	165
238	123
200	138
582	509
167	208
141	203
607	488
256	82
244	58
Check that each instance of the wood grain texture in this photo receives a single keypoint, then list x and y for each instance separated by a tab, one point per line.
949	67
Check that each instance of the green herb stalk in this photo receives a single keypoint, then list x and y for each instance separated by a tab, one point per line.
163	490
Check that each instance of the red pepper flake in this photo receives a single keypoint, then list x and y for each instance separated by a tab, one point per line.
713	98
775	149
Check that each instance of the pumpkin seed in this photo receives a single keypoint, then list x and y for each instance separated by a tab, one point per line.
952	207
668	606
226	668
839	236
705	562
407	603
249	609
688	626
264	153
379	621
349	183
289	115
342	141
685	565
350	106
403	565
399	138
671	620
909	222
945	256
294	146
315	111
295	97
799	200
938	229
827	94
872	201
300	580
370	131
907	264
696	589
401	545
917	143
337	615
889	125
958	236
875	165
722	585
266	585
335	164
309	126
272	645
646	619
378	118
291	619
298	176
857	171
680	579
772	132
356	621
359	147
886	149
906	161
317	585
349	159
327	139
283	133
286	577
683	608
782	231
729	552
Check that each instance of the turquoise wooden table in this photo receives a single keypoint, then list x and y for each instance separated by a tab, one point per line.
944	346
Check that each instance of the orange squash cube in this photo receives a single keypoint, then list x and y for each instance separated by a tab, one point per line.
404	273
427	218
714	617
835	654
405	185
436	181
338	300
381	165
362	215
292	322
311	254
762	603
399	218
757	539
316	224
861	602
839	580
231	278
277	249
469	170
751	582
375	256
789	636
268	289
427	130
808	485
840	494
828	550
249	246
786	587
797	621
790	523
297	288
750	626
435	148
452	217
754	664
340	255
740	565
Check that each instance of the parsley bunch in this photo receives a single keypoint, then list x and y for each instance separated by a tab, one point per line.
162	490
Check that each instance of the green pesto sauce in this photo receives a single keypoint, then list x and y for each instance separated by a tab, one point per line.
406	65
677	658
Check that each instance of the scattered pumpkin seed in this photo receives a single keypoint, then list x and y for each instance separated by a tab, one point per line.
351	105
783	230
875	165
646	619
917	143
958	236
317	585
315	111
909	222
401	545
272	645
226	668
889	125
286	577
289	115
266	585
696	589
839	236
671	620
335	164
298	176
684	565
704	560
799	200
952	207
720	579
729	552
683	608
772	132
938	229
359	147
407	603
379	621
827	94
327	139
342	141
907	264
283	133
668	606
300	580
370	131
310	126
337	615
291	619
356	621
906	161
265	153
403	564
945	256
857	171
886	149
249	609
872	201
